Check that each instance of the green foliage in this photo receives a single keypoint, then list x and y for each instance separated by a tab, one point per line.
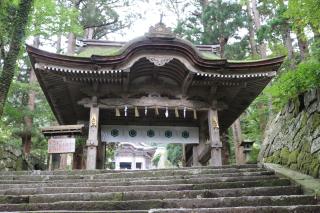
174	155
304	12
110	154
293	82
56	18
104	17
217	20
222	20
253	157
156	159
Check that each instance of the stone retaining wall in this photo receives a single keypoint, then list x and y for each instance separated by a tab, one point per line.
10	158
293	137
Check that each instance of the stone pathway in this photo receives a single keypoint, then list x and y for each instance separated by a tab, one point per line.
246	188
309	184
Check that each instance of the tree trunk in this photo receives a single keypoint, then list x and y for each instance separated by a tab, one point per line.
14	49
252	41
288	43
302	43
71	44
58	44
89	33
28	120
237	139
222	42
257	23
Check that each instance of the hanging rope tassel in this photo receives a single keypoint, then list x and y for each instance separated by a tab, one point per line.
184	112
194	114
145	111
157	111
125	111
176	111
136	112
167	112
117	112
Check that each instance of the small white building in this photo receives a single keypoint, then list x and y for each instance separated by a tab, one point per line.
134	156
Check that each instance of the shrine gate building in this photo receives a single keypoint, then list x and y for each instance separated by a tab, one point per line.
156	88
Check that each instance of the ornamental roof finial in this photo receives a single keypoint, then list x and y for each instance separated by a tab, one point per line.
161	17
160	30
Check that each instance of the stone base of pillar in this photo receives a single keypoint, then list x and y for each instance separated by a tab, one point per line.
216	159
91	157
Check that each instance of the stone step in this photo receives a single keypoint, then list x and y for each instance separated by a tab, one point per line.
98	171
216	177
246	209
148	195
212	182
283	200
133	174
73	179
102	189
67	211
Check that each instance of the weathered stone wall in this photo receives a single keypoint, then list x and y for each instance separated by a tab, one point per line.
10	158
293	137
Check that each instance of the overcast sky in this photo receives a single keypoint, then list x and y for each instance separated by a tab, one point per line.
151	11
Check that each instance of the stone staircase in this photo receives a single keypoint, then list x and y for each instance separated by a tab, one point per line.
246	188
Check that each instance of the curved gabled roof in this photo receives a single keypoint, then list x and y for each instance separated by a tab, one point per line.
159	41
63	77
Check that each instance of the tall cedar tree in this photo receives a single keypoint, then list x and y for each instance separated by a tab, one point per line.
19	30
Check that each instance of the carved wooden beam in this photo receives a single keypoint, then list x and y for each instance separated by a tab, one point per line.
125	84
151	102
187	82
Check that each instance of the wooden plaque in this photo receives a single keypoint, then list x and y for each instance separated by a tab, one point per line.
61	145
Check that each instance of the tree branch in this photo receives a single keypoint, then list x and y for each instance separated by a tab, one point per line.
102	25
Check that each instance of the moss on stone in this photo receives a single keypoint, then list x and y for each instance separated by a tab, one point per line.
315	120
314	167
293	157
117	196
305	164
294	166
284	155
306	146
209	56
269	159
300	159
88	52
304	119
276	157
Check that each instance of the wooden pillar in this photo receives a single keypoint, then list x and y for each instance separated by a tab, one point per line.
93	138
101	154
214	137
195	156
225	148
184	157
237	139
50	162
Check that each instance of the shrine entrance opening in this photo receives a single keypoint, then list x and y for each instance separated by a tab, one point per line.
155	88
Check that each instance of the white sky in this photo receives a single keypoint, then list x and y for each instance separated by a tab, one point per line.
150	11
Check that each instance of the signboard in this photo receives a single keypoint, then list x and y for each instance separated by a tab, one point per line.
61	145
150	134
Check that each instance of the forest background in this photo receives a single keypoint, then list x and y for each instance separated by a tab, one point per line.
244	30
